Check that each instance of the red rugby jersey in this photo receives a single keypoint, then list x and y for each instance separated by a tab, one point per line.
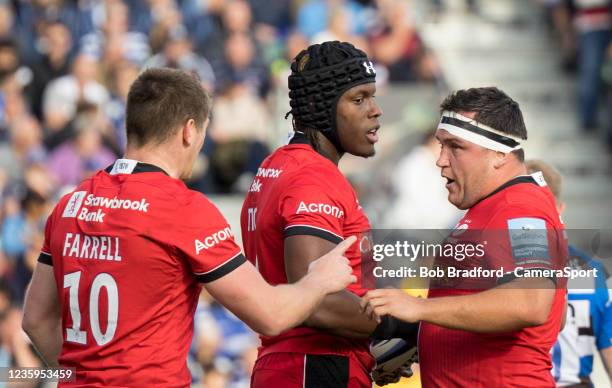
299	192
522	227
129	248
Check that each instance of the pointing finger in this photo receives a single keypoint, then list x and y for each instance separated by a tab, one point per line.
344	245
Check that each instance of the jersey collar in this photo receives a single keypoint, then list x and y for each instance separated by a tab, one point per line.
130	166
299	138
512	182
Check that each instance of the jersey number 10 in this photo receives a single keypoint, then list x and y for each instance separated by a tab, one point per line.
75	334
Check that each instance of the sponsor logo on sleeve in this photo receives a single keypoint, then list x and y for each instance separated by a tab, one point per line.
321	208
210	241
529	240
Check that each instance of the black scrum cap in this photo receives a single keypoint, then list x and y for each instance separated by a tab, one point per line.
319	76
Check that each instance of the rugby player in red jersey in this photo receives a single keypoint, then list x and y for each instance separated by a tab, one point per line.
498	336
125	254
300	205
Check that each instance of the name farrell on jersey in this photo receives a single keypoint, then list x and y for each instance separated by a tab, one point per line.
82	246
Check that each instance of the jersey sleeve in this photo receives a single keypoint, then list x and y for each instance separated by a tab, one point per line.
45	256
524	240
206	240
312	208
604	337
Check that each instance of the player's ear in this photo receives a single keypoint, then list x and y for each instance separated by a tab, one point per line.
501	159
189	132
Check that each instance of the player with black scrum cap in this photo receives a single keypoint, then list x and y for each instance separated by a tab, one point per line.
300	205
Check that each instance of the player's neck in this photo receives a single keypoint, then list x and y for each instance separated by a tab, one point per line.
156	156
515	170
327	149
502	177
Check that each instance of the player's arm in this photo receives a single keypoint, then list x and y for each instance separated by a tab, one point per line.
308	235
339	313
604	334
512	306
271	310
606	358
519	303
564	314
41	314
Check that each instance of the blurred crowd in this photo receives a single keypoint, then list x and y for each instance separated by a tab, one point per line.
66	67
65	70
582	30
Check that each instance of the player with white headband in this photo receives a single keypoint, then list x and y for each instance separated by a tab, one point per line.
499	332
471	130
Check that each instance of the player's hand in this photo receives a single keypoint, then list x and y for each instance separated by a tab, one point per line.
394	302
332	270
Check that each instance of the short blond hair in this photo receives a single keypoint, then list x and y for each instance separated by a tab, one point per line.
551	175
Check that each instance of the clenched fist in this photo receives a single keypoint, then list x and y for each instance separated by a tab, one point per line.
394	302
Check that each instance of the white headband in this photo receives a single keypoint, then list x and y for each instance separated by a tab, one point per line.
478	133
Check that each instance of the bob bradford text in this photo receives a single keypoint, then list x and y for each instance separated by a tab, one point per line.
480	272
